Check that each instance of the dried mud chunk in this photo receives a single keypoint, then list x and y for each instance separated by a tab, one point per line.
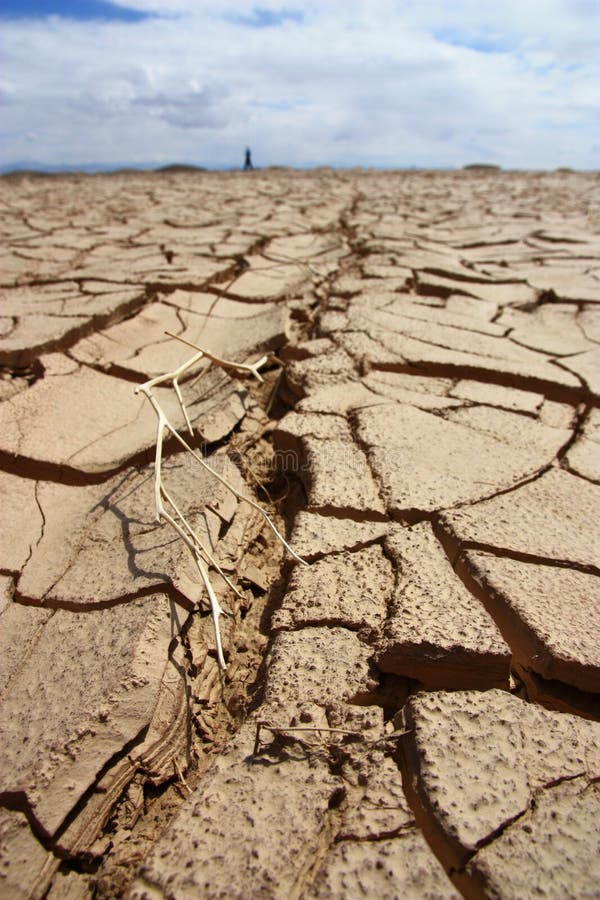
403	868
552	848
584	459
51	316
564	281
102	542
305	349
21	522
135	264
390	321
227	328
337	398
495	395
11	385
319	665
121	344
403	382
347	284
463	780
215	405
375	805
93	422
19	628
376	266
542	518
504	294
550	328
305	248
6	593
367	350
305	376
402	314
37	333
70	886
589	319
153	761
84	420
232	330
316	535
39	299
474	762
349	589
333	468
529	601
424	462
25	866
587	366
437	632
584	456
249	830
473	307
424	393
465	353
311	424
337	476
520	432
266	280
106	669
330	321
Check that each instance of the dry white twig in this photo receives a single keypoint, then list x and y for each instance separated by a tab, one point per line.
166	508
320	730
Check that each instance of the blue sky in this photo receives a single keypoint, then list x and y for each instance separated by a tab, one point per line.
383	83
93	9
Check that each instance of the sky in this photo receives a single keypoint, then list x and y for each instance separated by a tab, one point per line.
377	83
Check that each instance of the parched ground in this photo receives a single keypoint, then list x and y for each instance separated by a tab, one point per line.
415	712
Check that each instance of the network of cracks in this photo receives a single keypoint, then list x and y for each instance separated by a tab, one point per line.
414	711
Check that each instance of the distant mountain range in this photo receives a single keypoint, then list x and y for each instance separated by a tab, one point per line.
29	166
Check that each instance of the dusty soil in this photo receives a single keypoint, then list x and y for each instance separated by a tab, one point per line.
414	712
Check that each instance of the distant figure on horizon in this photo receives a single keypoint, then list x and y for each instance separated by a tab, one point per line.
248	167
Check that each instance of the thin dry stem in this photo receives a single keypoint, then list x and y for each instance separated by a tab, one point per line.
166	507
250	369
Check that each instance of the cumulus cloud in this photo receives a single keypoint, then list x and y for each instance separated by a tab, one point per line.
383	83
194	108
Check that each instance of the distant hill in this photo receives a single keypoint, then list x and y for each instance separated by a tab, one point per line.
181	167
484	167
31	169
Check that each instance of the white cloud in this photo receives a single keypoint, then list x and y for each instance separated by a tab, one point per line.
386	83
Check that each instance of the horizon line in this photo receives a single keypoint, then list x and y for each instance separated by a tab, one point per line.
49	169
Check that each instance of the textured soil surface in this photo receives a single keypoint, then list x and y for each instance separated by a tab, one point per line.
413	713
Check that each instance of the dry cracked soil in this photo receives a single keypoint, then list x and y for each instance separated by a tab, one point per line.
413	713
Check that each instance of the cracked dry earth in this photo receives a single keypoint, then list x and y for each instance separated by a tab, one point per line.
415	713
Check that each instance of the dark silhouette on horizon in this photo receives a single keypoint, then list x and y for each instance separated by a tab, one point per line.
248	167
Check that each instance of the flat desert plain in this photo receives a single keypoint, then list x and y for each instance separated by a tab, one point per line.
412	710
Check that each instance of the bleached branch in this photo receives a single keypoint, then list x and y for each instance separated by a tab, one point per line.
166	508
